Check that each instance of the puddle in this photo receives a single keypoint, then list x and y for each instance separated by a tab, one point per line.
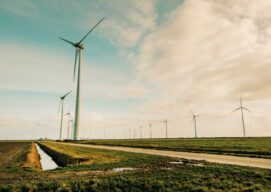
46	161
185	163
123	169
177	162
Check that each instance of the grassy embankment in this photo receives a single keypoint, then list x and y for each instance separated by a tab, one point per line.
250	147
151	173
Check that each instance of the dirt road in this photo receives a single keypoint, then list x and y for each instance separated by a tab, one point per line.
224	159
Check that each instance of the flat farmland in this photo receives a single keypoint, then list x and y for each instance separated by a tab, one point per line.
13	154
249	147
90	169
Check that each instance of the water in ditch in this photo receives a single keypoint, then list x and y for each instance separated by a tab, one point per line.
46	161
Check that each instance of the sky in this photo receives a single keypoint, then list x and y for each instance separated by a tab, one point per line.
149	61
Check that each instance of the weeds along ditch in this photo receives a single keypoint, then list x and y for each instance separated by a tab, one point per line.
61	159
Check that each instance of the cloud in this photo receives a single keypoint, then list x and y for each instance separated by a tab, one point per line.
210	49
204	57
125	24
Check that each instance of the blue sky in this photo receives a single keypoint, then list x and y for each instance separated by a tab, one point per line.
142	65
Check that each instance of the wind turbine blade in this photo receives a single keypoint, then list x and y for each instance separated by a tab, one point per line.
241	103
247	109
236	109
59	105
91	30
66	95
75	62
67	41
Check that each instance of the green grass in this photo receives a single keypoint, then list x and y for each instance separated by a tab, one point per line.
251	147
152	173
163	178
97	158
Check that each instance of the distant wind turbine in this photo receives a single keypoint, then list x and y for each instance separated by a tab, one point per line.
69	121
61	105
150	131
241	108
78	51
71	127
195	123
166	121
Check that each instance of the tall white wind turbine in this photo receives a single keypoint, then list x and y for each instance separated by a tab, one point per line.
195	123
78	51
61	105
241	108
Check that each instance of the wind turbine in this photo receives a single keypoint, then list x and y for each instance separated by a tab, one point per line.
61	105
166	126
195	122
150	130
241	108
71	127
69	120
78	51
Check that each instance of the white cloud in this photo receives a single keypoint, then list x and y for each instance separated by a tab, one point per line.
210	45
205	57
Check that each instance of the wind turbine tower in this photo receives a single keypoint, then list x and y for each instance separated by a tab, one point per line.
70	134
61	105
166	121
78	51
241	108
69	121
195	123
150	131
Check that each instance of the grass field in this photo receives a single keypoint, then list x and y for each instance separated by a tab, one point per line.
150	173
251	147
74	157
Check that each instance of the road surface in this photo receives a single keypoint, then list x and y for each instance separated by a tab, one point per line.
223	159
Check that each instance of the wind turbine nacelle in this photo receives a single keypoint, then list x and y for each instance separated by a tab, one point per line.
80	46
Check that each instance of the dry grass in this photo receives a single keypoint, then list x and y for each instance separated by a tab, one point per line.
33	158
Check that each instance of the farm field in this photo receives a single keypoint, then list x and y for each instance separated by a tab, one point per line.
13	155
88	169
250	147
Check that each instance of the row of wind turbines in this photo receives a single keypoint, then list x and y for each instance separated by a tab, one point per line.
241	108
194	120
133	132
78	57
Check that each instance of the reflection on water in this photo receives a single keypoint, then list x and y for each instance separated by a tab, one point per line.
46	161
123	169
